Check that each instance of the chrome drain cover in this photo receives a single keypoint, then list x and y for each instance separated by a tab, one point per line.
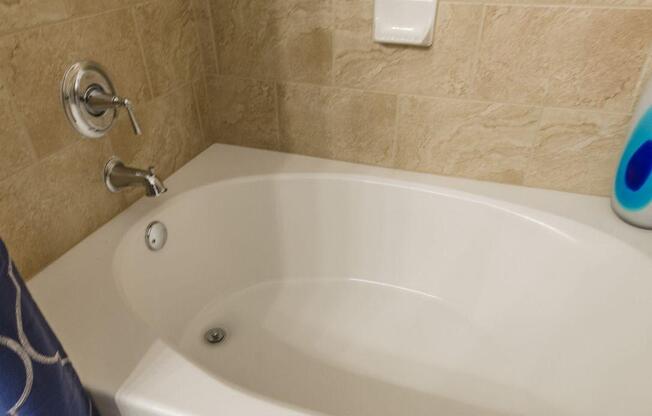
215	335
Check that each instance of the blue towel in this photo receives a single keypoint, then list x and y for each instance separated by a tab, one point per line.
36	377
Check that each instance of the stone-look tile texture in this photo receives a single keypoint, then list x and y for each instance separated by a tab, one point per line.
577	151
532	92
241	111
171	43
86	7
52	205
32	64
17	152
646	75
21	14
280	39
462	138
570	57
337	123
51	192
445	69
204	24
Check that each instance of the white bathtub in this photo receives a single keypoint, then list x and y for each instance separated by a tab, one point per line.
353	290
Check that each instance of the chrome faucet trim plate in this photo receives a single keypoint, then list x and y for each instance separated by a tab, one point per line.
90	102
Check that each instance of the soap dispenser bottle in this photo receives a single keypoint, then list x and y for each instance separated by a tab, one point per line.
632	194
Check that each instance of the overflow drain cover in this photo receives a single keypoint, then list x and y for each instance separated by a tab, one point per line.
215	335
156	235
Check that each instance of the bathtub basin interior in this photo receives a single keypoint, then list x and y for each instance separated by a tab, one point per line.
345	295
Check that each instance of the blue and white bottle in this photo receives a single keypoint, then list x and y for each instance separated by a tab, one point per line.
632	195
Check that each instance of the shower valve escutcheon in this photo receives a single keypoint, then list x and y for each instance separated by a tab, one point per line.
90	101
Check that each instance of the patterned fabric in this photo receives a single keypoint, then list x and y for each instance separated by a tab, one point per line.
36	377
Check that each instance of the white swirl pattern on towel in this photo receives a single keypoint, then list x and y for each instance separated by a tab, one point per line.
29	372
23	348
35	355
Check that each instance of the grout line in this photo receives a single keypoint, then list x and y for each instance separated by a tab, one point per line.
18	117
218	69
110	145
75	137
32	149
437	97
77	141
478	42
211	27
332	36
467	99
535	144
72	19
67	7
204	59
193	14
549	5
182	85
199	108
395	144
278	116
141	46
638	89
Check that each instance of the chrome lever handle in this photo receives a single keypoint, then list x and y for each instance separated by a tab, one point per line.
132	117
97	101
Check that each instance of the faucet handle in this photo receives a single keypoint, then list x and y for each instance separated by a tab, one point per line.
132	116
98	101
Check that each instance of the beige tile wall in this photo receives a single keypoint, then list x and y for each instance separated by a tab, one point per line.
532	92
51	192
529	92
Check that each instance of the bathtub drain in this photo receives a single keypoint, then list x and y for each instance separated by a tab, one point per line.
215	335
